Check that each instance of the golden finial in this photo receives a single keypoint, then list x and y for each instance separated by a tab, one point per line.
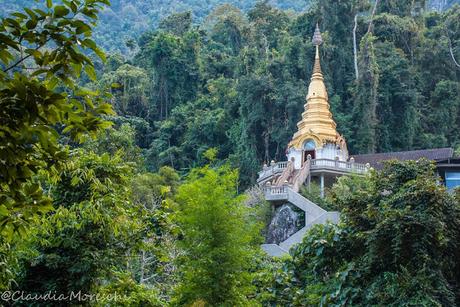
317	40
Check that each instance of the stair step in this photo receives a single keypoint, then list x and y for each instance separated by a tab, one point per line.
314	215
296	238
274	250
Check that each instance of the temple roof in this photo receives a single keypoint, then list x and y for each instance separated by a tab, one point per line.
375	160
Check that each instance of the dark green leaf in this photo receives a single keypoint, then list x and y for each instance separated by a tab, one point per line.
60	11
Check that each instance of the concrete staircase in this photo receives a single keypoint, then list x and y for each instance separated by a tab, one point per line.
314	215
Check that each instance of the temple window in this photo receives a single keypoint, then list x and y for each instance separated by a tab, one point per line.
309	145
452	180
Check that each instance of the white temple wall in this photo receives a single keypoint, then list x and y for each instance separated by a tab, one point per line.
331	152
297	155
328	151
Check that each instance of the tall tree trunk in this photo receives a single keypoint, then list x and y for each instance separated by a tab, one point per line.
169	152
266	145
451	50
166	98
142	267
371	22
355	47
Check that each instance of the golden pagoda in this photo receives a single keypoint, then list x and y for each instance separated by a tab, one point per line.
317	125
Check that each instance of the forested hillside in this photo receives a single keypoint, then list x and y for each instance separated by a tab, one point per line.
127	179
238	81
125	20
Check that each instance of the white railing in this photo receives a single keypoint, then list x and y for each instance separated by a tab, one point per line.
275	168
342	165
349	166
276	190
281	165
273	193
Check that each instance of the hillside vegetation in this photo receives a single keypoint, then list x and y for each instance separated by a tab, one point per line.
238	82
128	179
126	20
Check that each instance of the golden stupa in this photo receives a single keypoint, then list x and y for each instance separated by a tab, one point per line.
317	123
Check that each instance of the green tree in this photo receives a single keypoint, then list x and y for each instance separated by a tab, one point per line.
396	115
121	140
218	239
445	111
94	226
175	69
366	99
177	24
153	265
42	53
397	244
128	85
227	25
196	126
401	8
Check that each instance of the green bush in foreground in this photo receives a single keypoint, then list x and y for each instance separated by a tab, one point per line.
218	240
397	245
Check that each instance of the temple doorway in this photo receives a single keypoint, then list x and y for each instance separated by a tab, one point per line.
309	152
309	148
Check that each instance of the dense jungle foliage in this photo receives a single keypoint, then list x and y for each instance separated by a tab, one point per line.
124	21
128	173
237	81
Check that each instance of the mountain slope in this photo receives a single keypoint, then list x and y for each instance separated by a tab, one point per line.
127	19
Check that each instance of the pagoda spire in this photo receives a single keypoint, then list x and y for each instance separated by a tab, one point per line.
317	41
317	123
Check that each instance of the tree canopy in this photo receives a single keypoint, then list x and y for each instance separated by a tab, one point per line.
133	173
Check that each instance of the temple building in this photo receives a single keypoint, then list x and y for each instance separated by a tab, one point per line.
318	152
317	135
